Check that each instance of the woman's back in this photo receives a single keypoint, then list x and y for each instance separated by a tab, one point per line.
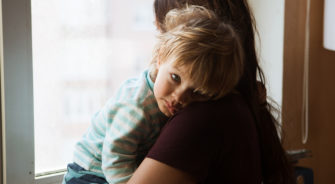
221	136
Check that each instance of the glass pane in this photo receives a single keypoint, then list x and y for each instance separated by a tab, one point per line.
82	51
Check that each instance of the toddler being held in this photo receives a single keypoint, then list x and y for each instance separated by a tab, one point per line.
198	58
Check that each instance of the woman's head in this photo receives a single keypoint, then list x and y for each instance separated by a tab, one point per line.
234	12
200	49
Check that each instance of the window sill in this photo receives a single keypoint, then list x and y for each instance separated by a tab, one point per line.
50	178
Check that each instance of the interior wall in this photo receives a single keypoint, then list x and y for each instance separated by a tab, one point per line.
1	164
269	16
321	89
0	131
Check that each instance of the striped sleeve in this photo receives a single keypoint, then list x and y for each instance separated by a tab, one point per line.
123	135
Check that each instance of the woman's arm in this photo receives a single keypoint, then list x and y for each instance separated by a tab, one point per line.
152	172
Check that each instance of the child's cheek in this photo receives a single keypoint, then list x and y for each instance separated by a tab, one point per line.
157	88
161	88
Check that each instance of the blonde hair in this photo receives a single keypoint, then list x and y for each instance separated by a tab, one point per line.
210	49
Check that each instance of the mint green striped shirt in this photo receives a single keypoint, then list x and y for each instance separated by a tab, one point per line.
122	132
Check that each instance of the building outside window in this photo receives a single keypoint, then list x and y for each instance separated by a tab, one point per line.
82	51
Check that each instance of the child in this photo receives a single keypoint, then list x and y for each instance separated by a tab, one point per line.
199	58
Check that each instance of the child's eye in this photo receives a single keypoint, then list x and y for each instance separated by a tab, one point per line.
175	77
198	93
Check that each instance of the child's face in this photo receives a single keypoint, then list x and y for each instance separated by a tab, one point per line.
173	88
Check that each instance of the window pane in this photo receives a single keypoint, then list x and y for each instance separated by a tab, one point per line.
82	51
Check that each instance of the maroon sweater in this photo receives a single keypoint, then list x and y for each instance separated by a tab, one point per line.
215	142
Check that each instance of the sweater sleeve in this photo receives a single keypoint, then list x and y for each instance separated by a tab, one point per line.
126	130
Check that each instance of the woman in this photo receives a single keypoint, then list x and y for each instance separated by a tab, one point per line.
232	140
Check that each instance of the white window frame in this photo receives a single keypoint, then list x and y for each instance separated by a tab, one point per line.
17	110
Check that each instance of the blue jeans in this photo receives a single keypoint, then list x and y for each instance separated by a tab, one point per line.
78	175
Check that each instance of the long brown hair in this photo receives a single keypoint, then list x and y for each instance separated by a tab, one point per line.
275	165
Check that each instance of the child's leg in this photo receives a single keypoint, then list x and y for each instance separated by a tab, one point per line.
78	175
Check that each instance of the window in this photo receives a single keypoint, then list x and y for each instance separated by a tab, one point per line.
76	21
82	51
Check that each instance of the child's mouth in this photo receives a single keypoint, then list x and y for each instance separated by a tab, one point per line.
171	109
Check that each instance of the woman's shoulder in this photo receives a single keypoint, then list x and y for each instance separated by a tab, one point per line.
226	115
208	139
229	105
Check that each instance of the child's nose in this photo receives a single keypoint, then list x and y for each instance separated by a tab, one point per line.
182	97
